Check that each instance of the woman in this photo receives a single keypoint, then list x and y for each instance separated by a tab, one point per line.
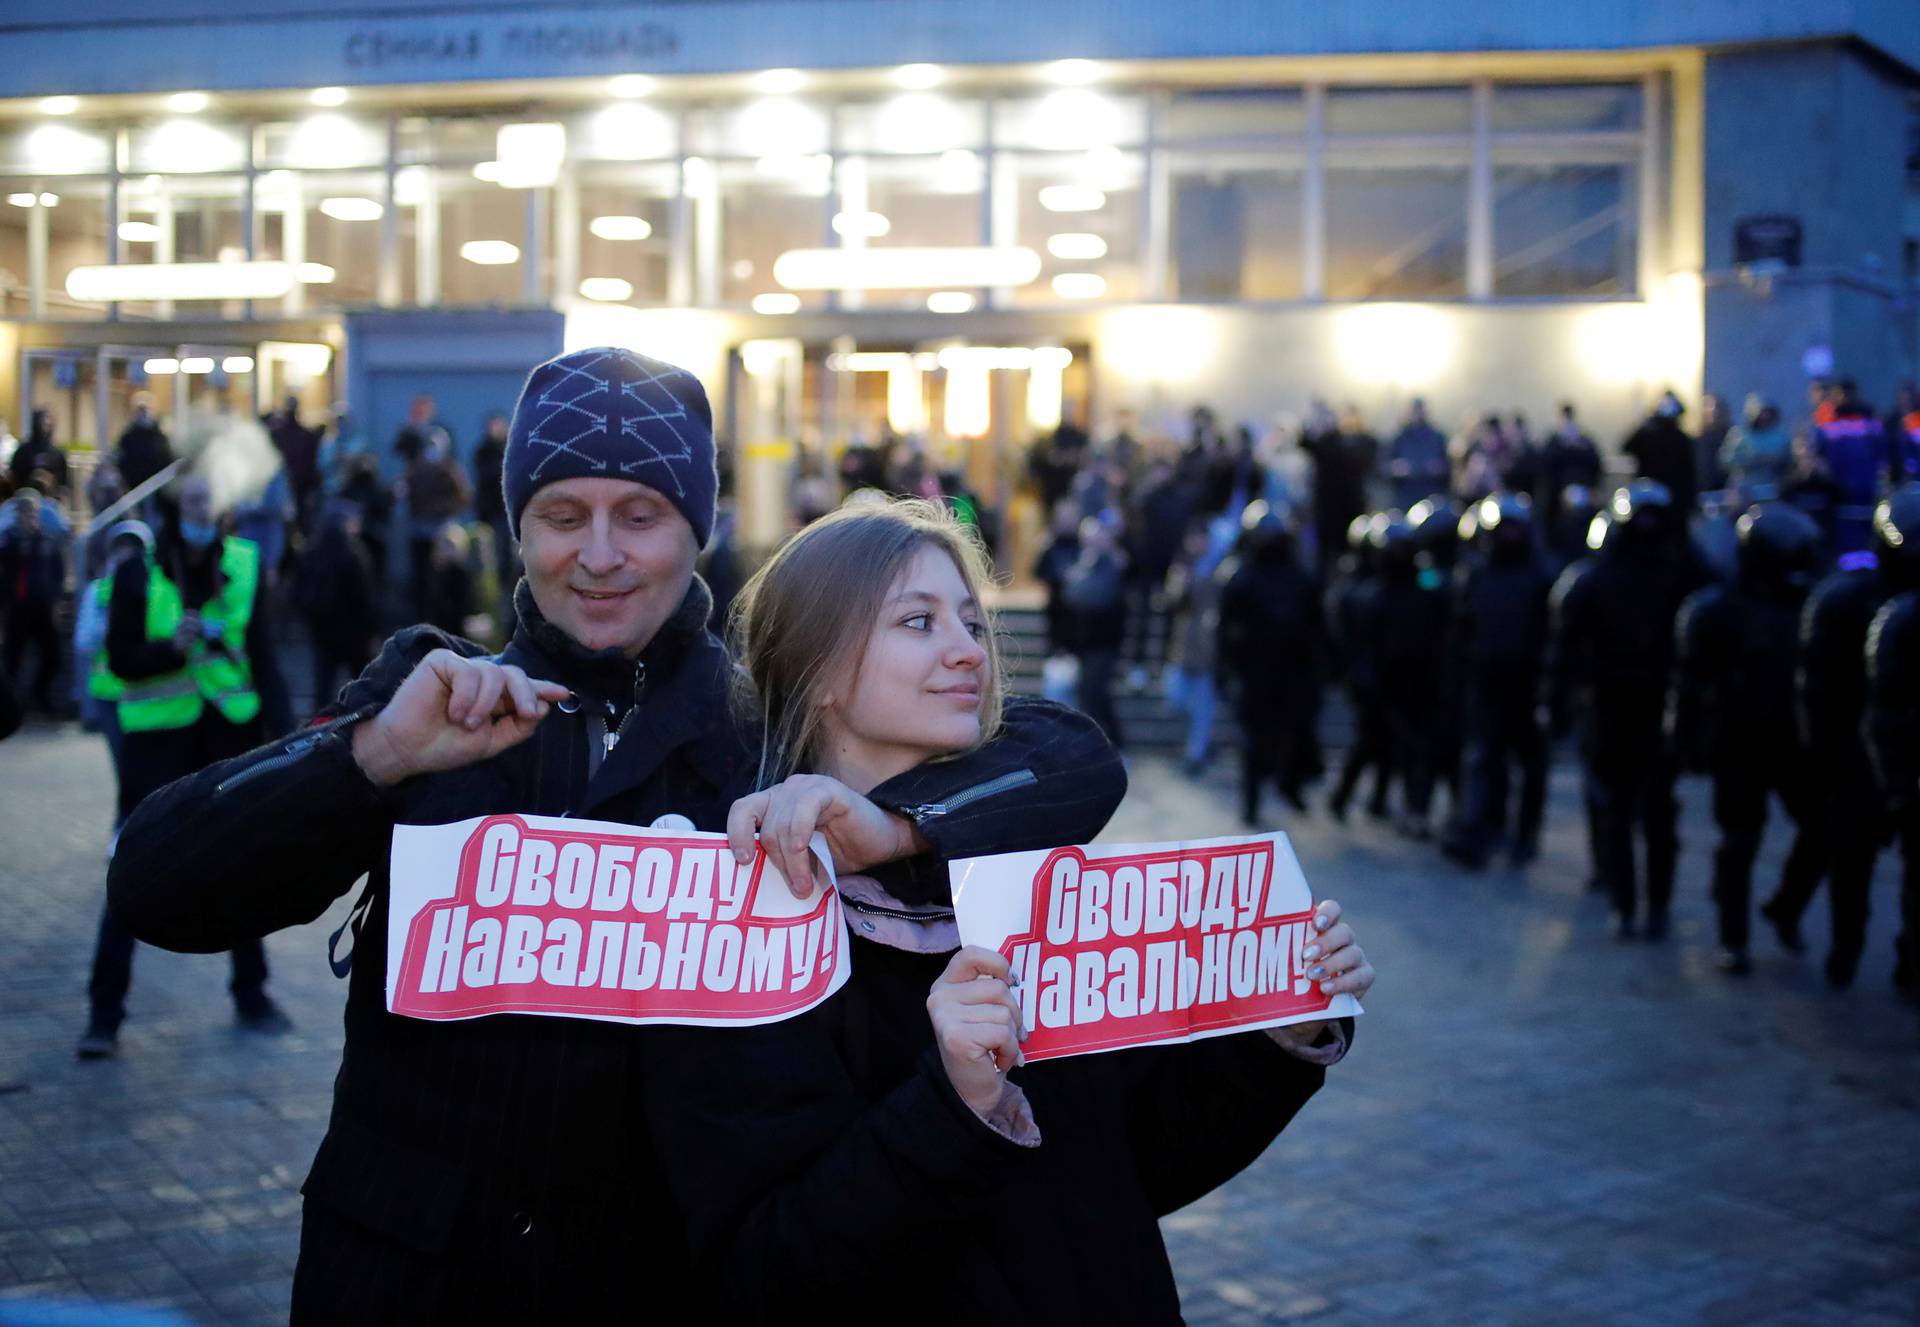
877	1156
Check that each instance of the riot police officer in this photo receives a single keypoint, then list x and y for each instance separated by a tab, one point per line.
1832	692
1411	633
1892	731
1273	646
1436	527
1613	618
1732	708
1499	639
1353	621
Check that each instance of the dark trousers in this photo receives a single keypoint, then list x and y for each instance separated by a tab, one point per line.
1502	729
1741	785
150	761
1633	791
1097	667
1906	946
30	623
1372	749
1413	740
1847	809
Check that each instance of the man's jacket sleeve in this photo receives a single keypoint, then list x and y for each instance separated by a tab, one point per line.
265	840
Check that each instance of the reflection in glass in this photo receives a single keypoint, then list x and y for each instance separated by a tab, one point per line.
1396	233
1236	229
1564	230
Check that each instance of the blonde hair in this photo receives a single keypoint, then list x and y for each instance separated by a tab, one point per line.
804	619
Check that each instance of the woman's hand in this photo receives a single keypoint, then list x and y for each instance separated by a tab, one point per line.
858	833
1335	961
976	1025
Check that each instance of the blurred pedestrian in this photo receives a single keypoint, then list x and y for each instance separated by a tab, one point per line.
489	502
417	435
33	573
335	591
436	492
143	449
1850	449
1193	600
1568	456
1662	452
1094	588
1354	632
1343	457
1417	458
299	448
1757	455
1062	551
37	452
450	603
100	689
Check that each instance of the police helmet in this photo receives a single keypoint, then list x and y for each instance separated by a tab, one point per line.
1265	531
1499	523
1779	546
1436	523
1394	539
1641	511
1896	535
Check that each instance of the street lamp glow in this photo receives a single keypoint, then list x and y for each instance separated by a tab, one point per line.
59	105
328	96
611	289
1072	198
352	209
620	228
1073	73
776	303
1079	285
490	253
1077	246
861	225
919	77
779	82
188	103
630	85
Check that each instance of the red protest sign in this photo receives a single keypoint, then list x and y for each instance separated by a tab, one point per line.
517	914
1119	946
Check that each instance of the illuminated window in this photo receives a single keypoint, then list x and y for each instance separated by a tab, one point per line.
328	224
767	207
1398	112
1535	108
74	212
625	227
1095	193
1564	230
1236	227
1396	232
1236	113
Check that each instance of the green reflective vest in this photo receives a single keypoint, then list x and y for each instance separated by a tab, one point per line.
217	671
101	683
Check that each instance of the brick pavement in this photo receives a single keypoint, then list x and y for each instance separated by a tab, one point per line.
1535	1126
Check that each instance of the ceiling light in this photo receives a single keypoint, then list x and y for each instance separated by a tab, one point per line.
180	281
490	253
1072	198
410	185
197	364
779	82
488	171
620	228
950	301
188	103
60	149
919	77
861	225
22	200
529	155
314	274
328	96
1076	246
776	303
352	209
1079	285
1004	357
49	200
59	105
1073	73
160	367
630	85
610	288
138	232
905	269
237	364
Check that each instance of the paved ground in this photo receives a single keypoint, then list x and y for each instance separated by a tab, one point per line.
1535	1126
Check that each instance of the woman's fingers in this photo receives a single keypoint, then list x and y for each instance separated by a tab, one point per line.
1356	981
1326	942
1325	915
743	821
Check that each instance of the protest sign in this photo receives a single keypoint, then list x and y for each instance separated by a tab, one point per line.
1137	944
513	914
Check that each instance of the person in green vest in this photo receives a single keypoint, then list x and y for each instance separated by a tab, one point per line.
188	646
101	690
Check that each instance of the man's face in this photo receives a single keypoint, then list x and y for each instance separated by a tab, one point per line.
196	500
422	409
608	560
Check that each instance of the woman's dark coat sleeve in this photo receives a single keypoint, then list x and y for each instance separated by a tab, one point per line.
1201	1113
793	1187
265	840
979	803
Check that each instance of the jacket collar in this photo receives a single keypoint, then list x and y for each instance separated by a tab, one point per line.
609	674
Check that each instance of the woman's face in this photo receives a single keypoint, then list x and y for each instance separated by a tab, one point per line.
919	686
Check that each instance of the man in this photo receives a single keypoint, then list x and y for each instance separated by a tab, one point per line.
1568	456
1417	459
1663	453
187	640
33	572
436	494
489	456
1613	619
1732	710
1850	450
1892	730
414	436
1343	455
143	450
39	452
501	1169
299	448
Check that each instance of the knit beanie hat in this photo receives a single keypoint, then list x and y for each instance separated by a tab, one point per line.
608	413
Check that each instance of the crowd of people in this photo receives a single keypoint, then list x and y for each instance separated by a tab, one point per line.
1734	601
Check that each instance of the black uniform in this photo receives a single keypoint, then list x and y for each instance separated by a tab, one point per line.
1499	639
1273	643
1353	609
1732	709
1410	619
1832	685
1613	621
1436	526
1893	741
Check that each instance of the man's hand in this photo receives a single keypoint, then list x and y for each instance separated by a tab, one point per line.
187	632
451	712
858	833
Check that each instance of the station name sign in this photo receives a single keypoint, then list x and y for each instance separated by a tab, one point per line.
417	48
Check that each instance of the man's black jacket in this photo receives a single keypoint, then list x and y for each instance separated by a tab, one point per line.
505	1167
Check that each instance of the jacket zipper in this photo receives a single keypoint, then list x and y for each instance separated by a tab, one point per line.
904	914
1019	778
295	749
